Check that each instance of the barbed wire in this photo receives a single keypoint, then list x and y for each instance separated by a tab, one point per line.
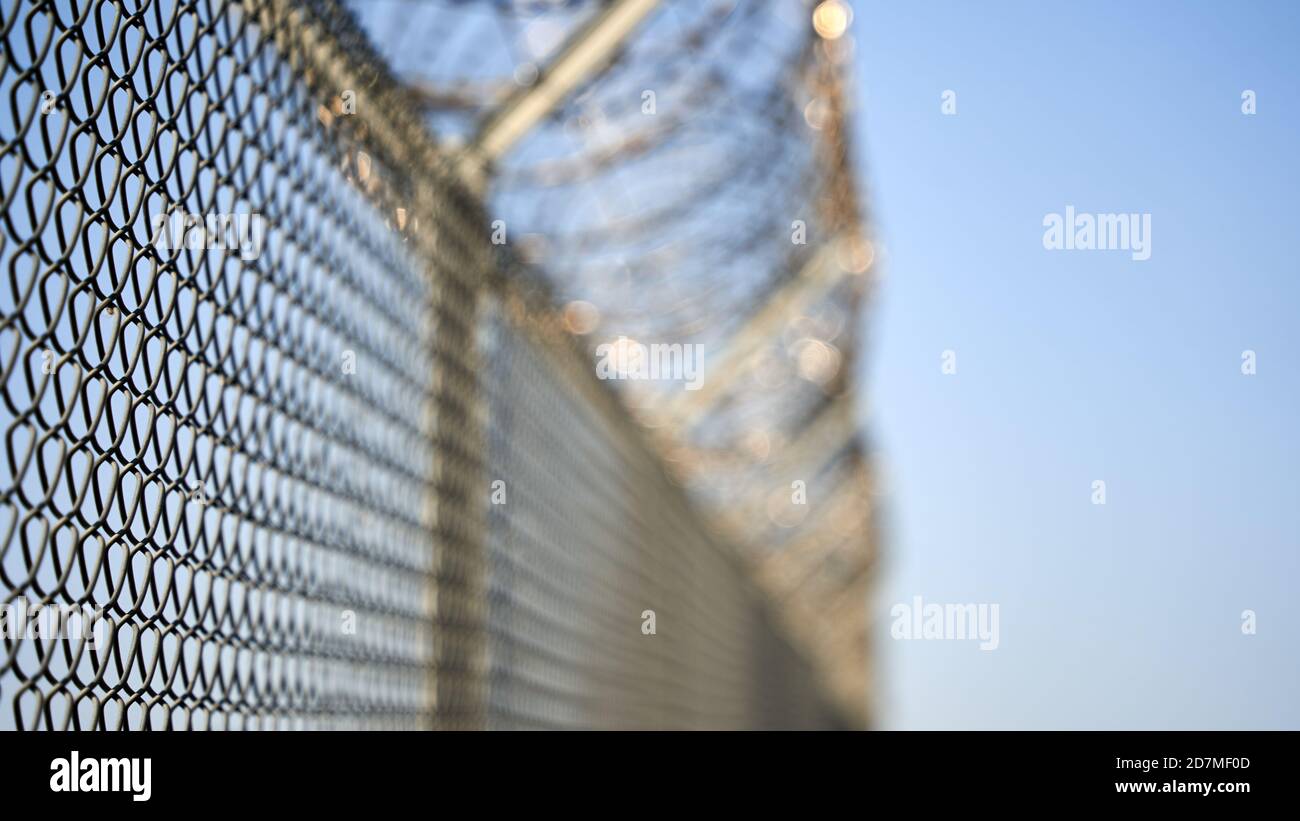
696	180
261	367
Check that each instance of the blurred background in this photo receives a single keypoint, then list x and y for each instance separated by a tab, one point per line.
1084	366
969	125
694	185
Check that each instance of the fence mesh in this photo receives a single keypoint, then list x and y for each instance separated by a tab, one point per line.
262	376
590	546
697	193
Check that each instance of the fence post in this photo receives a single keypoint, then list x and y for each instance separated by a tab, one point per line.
460	270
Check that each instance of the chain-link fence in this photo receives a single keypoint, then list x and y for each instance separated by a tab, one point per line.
609	603
279	424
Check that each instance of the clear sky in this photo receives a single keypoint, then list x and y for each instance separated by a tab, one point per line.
1075	366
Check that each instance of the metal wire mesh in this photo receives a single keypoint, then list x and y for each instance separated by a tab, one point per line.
697	190
567	601
260	372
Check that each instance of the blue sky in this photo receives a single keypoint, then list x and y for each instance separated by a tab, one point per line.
1074	366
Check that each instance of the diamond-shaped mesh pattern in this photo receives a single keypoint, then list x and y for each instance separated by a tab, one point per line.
229	453
262	458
